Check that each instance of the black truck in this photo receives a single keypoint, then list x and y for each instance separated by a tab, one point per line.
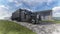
25	16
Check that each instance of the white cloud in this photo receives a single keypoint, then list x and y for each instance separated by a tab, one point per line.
10	0
50	1
56	8
31	2
34	2
4	12
17	3
3	6
56	11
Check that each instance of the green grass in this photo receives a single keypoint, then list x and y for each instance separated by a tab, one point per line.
8	27
54	21
47	21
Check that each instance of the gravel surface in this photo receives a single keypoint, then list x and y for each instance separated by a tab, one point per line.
42	29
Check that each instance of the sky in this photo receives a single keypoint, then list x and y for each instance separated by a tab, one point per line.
7	7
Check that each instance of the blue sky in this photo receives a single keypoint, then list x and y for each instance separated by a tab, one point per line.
9	6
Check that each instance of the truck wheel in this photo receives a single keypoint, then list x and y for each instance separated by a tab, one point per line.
33	21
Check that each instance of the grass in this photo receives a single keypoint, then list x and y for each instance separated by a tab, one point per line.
8	27
54	21
47	21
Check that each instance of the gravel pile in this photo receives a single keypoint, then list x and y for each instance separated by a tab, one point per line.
42	29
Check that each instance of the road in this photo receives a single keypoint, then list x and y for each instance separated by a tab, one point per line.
42	28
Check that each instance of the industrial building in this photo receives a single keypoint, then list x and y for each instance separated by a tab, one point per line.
44	15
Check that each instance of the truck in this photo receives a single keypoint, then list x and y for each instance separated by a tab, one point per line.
24	15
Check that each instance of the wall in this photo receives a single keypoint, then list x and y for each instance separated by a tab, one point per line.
45	15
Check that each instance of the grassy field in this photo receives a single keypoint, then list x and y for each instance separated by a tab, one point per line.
54	21
8	27
57	21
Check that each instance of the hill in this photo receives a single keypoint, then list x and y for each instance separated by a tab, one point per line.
8	27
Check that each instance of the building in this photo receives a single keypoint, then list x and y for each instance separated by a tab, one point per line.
44	15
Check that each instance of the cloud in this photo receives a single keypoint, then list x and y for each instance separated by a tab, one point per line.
15	1
56	11
4	12
38	4
2	6
56	8
50	1
10	0
32	2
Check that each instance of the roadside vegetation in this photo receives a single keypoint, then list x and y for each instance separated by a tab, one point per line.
8	27
56	21
53	21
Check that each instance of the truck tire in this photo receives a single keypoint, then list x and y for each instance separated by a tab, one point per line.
33	21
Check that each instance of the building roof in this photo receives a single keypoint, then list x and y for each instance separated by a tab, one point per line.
44	11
